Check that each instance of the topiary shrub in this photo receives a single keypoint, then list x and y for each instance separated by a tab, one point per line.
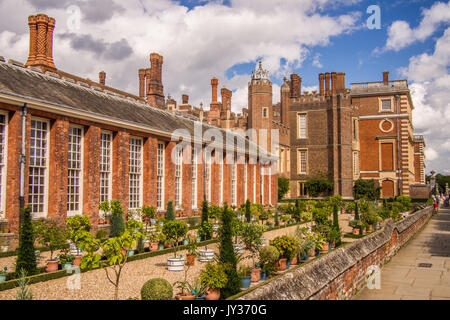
117	226
26	258
286	246
157	289
248	216
170	213
267	258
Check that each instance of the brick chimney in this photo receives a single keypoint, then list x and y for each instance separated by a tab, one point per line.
327	83
142	83
321	80
296	85
340	82
155	96
147	81
185	99
41	42
386	78
214	84
102	77
226	98
333	83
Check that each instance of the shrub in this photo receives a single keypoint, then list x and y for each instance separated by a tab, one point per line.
286	245
170	213
267	258
405	201
276	220
248	214
51	234
227	255
317	186
213	276
320	216
283	187
117	226
26	257
306	216
366	189
214	212
101	234
148	212
157	289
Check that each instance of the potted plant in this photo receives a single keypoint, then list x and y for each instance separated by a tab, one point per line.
287	247
334	236
244	272
192	252
186	288
268	256
3	274
148	215
206	232
174	230
155	237
251	237
356	225
78	228
213	277
236	232
51	234
320	242
66	260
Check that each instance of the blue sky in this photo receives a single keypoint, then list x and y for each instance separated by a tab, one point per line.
201	39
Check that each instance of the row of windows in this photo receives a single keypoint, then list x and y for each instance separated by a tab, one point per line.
39	161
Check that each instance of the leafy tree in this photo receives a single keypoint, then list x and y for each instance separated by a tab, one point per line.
283	187
366	189
316	186
26	257
227	255
174	230
251	236
77	226
247	211
170	213
51	234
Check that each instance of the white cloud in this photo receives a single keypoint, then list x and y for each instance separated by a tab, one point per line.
316	61
400	33
197	44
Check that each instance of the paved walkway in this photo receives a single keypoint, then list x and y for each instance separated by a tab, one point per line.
403	279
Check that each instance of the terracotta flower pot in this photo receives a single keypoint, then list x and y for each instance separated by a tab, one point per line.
281	264
185	297
212	294
52	266
153	246
101	221
77	260
325	247
356	231
294	261
370	228
190	259
256	274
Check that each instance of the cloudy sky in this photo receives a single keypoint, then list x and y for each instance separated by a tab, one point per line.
200	39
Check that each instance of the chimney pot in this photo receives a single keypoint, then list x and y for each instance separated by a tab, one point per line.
386	78
214	84
327	83
321	83
102	77
185	99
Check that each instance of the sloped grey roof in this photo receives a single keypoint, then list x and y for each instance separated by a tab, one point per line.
30	84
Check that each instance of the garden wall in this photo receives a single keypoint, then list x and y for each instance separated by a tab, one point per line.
342	272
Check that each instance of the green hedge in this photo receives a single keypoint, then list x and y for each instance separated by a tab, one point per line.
14	253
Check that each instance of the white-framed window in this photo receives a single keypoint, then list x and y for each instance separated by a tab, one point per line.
194	178
261	181
302	161
160	176
3	161
254	183
38	169
75	171
135	173
355	163
234	184
178	178
386	105
106	140
208	178
245	180
302	126
220	182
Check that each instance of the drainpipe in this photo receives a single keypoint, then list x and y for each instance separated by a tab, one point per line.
399	171
22	160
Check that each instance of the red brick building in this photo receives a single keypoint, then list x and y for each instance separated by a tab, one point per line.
86	142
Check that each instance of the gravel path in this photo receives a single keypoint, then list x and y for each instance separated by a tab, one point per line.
95	286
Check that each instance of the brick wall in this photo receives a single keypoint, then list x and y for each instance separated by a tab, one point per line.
341	273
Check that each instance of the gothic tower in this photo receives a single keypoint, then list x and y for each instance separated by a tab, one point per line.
260	105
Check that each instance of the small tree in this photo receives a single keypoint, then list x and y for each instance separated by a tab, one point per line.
251	236
170	213
117	225
77	226
51	234
227	255
26	257
336	230
174	230
248	214
283	187
148	213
